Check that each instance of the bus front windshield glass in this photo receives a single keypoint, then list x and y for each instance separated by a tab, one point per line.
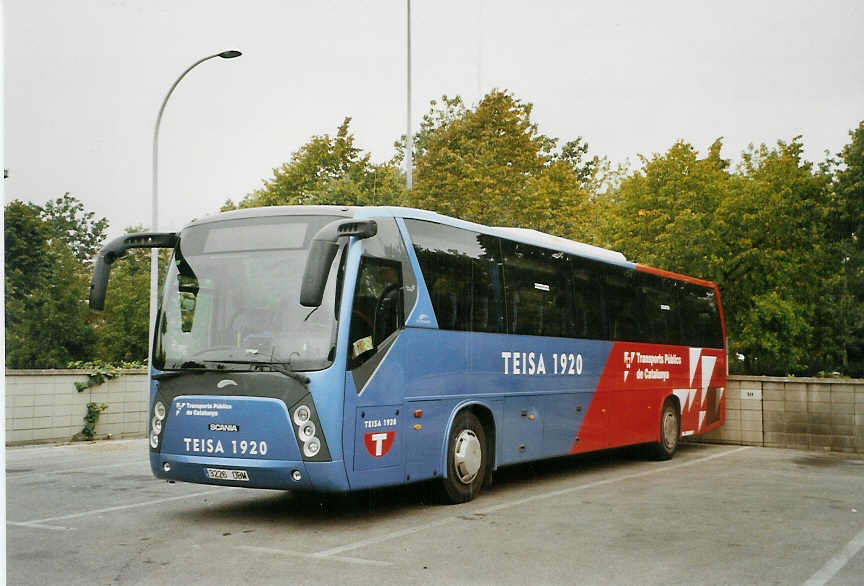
231	298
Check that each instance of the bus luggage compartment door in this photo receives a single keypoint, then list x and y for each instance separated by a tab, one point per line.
523	429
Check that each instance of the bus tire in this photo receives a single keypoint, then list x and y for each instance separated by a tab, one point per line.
670	433
467	460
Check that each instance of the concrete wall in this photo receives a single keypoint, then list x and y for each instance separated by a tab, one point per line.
801	413
44	406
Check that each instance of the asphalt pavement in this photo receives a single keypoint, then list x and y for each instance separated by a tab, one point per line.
92	514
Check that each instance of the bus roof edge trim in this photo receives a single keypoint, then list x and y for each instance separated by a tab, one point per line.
565	244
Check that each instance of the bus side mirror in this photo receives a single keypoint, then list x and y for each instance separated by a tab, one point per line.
325	244
117	248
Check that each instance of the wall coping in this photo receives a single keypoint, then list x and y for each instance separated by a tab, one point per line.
67	372
797	379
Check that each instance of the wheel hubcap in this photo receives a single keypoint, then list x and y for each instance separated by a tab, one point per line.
467	456
670	430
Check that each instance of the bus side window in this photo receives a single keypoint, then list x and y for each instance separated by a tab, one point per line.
661	308
538	291
623	306
462	276
588	300
377	309
700	316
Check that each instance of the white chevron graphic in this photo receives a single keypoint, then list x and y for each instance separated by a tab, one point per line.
708	363
694	360
701	418
685	398
682	397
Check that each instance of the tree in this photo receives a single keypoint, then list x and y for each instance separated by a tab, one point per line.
27	262
667	213
80	230
329	171
492	165
758	232
847	232
47	320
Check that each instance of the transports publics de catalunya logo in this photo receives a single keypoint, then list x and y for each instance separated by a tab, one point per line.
378	443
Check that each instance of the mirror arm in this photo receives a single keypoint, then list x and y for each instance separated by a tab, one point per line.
117	248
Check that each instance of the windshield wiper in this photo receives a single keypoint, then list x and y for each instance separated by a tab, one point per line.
273	366
301	378
192	364
189	367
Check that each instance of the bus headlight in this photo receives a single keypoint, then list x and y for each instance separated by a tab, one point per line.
302	414
312	447
159	414
307	431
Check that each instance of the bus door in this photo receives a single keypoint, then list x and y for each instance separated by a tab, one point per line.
384	292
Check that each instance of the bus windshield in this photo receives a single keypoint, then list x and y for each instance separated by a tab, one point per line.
231	298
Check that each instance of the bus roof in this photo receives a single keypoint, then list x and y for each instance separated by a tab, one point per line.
523	235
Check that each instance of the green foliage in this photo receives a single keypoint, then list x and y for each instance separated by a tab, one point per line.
329	171
47	320
847	220
757	231
99	372
80	230
91	419
27	263
492	165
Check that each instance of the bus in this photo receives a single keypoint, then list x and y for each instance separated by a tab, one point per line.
330	348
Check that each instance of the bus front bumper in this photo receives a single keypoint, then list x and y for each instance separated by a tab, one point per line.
251	473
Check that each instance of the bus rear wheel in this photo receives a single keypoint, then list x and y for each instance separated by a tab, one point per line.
467	460
670	432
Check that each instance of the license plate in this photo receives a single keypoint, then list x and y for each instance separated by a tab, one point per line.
223	474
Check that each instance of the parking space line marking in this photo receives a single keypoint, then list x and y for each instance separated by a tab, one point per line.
516	502
40	526
833	566
14	476
382	538
120	507
317	556
595	484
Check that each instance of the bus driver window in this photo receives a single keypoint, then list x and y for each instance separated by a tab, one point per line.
377	310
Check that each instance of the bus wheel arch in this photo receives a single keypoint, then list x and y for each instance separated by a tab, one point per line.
468	454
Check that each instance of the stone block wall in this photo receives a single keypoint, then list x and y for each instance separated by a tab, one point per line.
44	406
800	413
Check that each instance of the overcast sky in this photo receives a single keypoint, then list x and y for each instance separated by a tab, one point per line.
84	80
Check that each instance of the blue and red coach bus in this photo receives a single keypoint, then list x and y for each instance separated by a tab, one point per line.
340	348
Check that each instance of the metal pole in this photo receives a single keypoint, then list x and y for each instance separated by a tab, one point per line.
154	218
409	142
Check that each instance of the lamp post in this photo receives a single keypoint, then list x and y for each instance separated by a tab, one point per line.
154	219
409	136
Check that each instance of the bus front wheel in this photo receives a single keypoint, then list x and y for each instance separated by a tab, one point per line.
466	460
670	432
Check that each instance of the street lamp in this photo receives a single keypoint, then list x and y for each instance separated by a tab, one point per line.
154	220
